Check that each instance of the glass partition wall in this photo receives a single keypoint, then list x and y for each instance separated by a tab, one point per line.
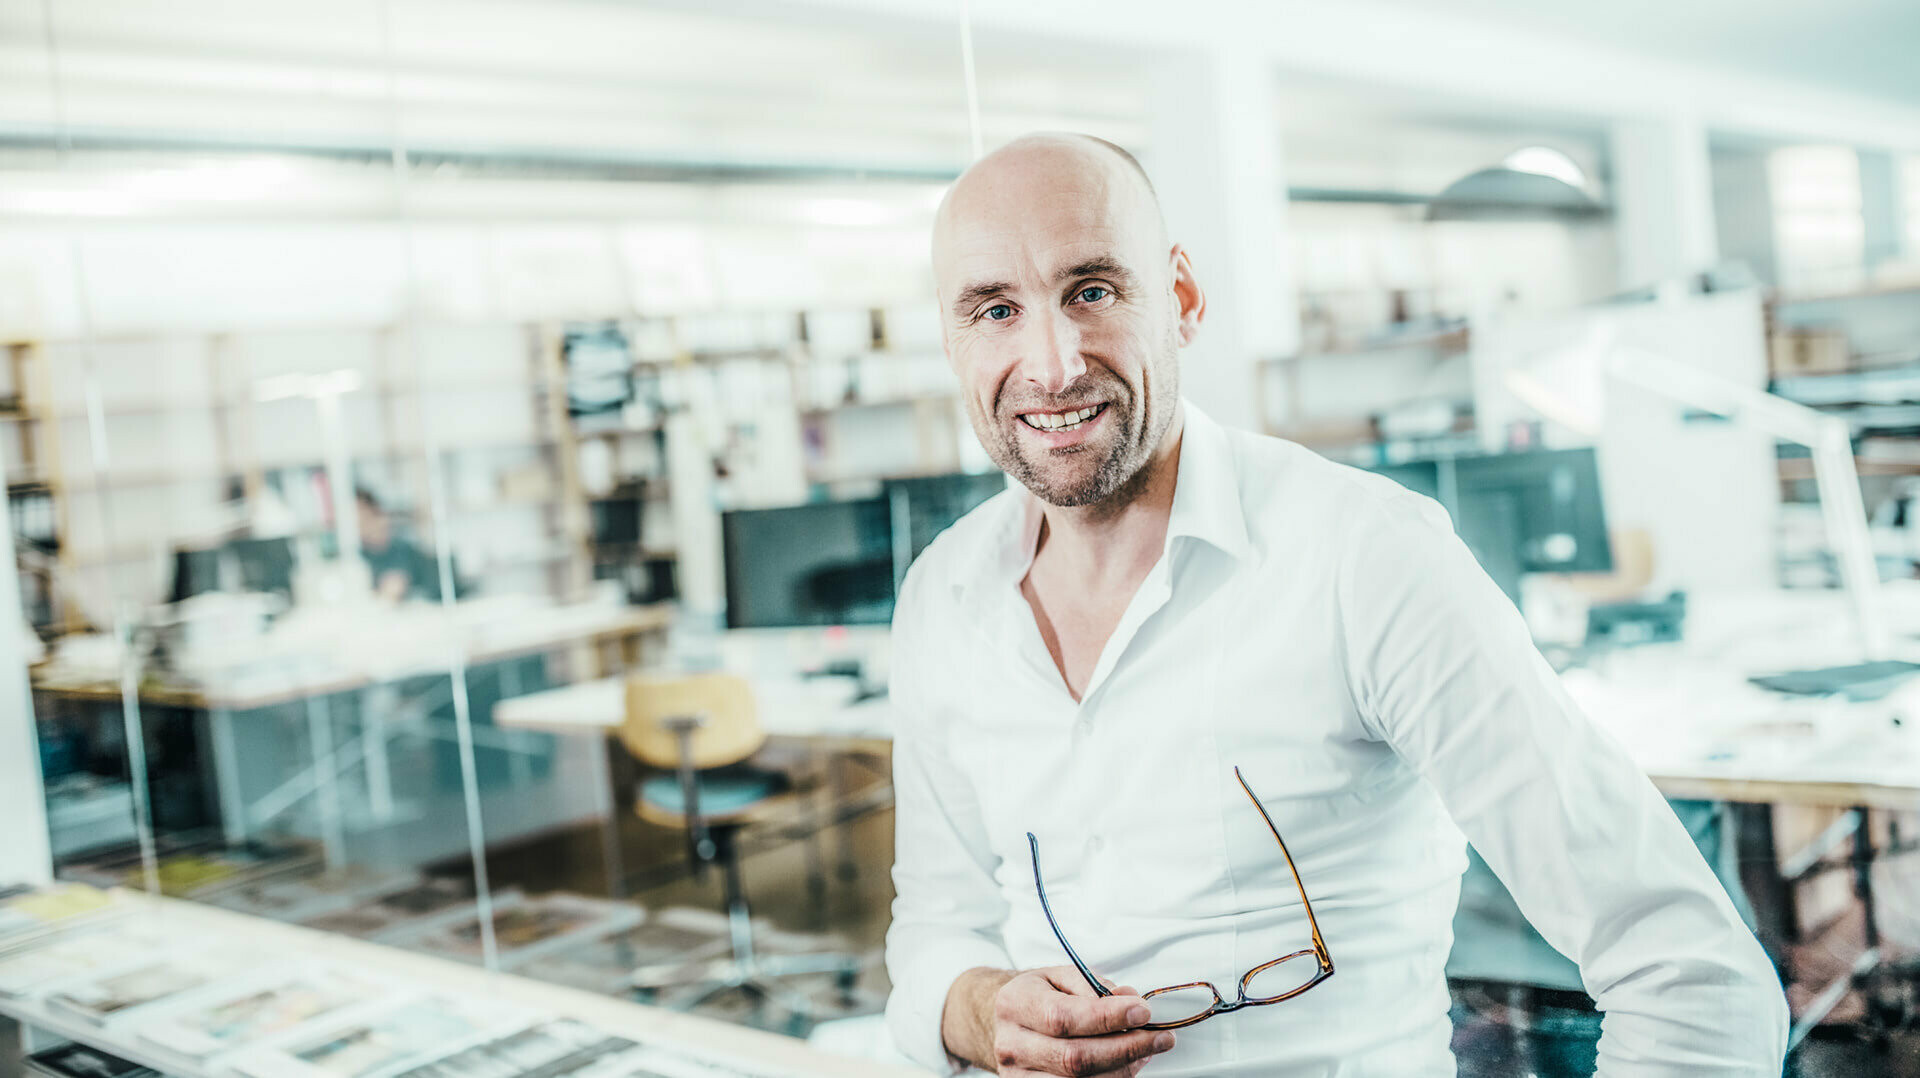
380	379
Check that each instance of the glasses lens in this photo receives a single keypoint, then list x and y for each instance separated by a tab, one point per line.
1283	977
1179	1004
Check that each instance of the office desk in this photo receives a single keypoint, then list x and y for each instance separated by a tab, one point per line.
820	712
754	1052
1688	716
1700	731
786	707
1685	713
394	643
367	651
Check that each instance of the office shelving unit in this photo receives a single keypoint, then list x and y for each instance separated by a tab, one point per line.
180	458
190	439
1285	407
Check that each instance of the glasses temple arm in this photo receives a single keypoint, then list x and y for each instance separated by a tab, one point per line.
1033	844
1313	923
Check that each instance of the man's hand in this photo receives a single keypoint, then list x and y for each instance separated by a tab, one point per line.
1047	1021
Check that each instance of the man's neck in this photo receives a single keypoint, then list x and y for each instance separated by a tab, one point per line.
1118	539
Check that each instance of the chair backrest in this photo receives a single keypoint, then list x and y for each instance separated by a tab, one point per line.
725	730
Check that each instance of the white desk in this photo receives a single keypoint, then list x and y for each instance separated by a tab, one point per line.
789	707
1688	715
719	1042
820	710
311	654
1684	711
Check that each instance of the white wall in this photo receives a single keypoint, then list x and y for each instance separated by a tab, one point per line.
1707	490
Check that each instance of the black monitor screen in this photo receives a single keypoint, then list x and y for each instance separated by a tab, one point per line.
263	565
831	563
935	502
1550	500
1535	512
1421	477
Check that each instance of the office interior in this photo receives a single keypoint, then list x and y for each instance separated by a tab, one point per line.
461	456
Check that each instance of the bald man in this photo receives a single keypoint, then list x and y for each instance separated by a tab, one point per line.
1191	726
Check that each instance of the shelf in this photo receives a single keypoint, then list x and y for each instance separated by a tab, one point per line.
1884	385
1330	433
120	477
536	557
1802	467
1878	292
889	402
1450	342
223	401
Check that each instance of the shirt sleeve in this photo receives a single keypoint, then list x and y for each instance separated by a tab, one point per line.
1443	669
947	909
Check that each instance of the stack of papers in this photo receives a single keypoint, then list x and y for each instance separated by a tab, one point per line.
523	928
549	1048
30	917
147	981
25	973
392	909
369	1045
242	1012
80	1061
205	1006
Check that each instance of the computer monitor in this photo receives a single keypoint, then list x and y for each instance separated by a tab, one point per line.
1533	512
829	563
260	565
929	505
1553	499
1420	476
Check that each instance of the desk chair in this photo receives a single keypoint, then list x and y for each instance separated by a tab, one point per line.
697	731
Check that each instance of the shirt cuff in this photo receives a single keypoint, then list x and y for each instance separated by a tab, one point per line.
923	972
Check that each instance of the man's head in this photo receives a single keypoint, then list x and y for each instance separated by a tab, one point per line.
1063	308
376	529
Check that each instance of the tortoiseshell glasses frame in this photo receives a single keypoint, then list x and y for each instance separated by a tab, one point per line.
1219	1005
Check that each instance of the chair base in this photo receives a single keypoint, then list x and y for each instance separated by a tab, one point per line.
759	976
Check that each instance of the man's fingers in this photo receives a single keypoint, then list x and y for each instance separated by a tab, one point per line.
1067	979
1057	1014
1079	1056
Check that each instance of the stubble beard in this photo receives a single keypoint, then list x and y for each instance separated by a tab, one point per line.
1124	460
1108	476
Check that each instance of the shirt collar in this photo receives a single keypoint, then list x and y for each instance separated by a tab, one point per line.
1206	506
1206	493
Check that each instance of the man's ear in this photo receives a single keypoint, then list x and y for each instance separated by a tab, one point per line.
1192	301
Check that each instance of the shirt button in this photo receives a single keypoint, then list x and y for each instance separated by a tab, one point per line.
1095	844
1083	725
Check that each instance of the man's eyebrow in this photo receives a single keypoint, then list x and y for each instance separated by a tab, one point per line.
974	293
1096	267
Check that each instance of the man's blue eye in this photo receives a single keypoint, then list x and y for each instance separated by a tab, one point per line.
1004	312
1093	295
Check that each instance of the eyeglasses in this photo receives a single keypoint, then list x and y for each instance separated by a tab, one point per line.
1184	1004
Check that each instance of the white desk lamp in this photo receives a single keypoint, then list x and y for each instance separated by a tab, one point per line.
1600	356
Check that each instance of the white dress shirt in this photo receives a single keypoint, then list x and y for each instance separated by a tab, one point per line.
1324	630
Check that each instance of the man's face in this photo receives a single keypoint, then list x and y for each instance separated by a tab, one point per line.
1061	318
375	529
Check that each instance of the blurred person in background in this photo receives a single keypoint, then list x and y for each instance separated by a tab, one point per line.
1169	602
400	569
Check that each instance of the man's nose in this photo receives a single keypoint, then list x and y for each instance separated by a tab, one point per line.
1052	357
